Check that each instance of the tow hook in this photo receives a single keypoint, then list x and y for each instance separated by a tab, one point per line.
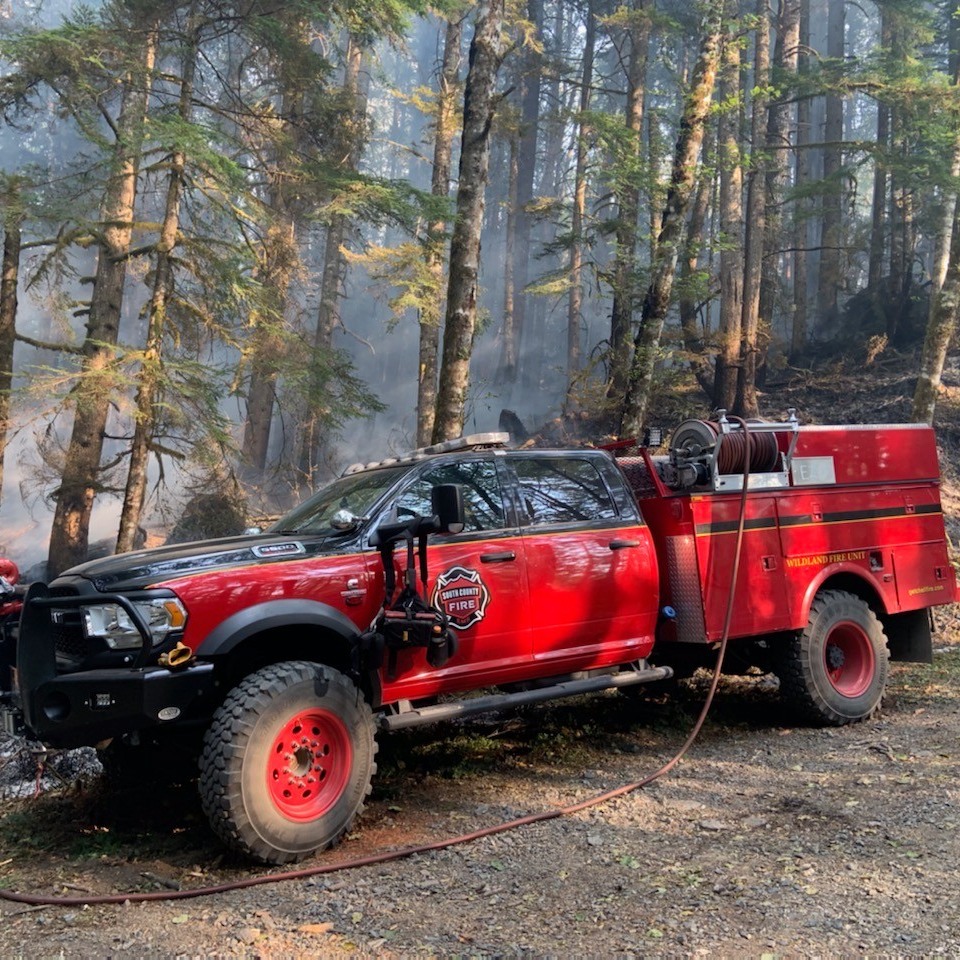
176	658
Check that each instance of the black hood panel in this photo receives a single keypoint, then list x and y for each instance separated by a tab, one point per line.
133	571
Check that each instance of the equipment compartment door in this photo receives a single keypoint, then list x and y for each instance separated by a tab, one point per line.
760	605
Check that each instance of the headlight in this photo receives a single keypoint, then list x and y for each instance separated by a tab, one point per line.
110	622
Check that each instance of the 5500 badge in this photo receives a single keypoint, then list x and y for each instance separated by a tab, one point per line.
462	595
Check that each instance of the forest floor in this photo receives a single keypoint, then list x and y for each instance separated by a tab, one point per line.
768	840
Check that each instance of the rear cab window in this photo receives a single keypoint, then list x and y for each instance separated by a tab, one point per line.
563	490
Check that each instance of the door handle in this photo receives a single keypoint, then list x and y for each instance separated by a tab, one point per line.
623	544
505	557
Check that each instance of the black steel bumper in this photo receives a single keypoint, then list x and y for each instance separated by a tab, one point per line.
81	709
87	706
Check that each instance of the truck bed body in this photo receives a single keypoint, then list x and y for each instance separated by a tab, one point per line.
859	503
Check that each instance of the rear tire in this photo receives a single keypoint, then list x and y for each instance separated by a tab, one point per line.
835	670
287	761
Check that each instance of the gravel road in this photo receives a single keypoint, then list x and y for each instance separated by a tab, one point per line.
768	840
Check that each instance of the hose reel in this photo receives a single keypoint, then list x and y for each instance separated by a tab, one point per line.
712	452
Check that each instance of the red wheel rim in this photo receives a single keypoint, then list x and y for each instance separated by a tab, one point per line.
309	764
848	659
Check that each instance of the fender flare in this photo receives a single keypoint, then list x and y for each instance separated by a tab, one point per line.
834	569
245	623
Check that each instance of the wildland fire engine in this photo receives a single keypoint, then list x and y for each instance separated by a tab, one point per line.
400	590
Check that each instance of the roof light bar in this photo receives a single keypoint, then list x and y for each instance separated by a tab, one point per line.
473	441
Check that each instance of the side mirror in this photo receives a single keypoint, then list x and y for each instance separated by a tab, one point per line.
344	519
447	503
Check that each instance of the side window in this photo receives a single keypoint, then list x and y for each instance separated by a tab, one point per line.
563	490
482	499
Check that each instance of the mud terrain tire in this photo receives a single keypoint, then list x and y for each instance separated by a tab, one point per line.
835	670
287	761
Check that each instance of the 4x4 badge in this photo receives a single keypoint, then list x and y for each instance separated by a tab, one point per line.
462	596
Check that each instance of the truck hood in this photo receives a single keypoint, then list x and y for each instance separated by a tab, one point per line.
132	571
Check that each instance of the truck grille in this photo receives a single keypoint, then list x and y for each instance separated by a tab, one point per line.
68	639
69	642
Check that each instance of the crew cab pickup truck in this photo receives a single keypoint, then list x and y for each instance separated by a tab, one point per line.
526	573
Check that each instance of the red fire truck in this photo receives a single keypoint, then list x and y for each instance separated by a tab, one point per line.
402	589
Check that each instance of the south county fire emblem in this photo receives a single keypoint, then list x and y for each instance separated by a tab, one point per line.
462	596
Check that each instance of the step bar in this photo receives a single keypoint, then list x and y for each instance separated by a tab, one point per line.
454	710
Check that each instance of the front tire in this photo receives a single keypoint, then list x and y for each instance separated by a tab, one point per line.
287	761
835	670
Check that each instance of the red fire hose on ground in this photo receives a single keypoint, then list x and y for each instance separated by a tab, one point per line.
392	855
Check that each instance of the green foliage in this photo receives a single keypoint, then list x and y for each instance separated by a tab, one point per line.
405	269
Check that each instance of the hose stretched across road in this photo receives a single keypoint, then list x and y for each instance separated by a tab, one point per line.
391	855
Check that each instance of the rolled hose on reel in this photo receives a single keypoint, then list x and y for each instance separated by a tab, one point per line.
700	441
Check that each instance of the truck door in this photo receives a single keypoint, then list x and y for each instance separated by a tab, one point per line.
591	566
476	577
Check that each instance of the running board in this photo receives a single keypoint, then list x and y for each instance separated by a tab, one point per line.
417	716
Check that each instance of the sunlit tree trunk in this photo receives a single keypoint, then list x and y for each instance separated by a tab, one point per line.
331	282
526	176
798	326
575	270
779	139
461	311
625	264
945	301
80	483
731	217
146	414
948	195
693	335
940	330
832	202
682	180
278	262
508	338
9	280
746	404
436	240
879	222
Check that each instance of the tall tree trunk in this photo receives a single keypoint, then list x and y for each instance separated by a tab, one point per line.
746	404
526	175
146	412
731	217
832	202
940	330
9	279
798	327
436	242
683	177
266	344
80	481
786	51
902	219
331	286
879	222
575	270
693	336
625	264
461	312
944	210
945	301
508	339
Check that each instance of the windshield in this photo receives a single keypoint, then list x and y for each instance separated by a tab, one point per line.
355	494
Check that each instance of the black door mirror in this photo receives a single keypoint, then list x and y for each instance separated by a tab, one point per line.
447	502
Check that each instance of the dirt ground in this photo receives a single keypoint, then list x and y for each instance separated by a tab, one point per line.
769	840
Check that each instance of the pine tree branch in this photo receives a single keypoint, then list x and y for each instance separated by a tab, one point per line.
46	345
